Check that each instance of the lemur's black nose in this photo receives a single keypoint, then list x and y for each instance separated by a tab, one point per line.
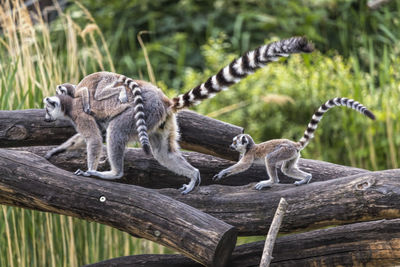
232	147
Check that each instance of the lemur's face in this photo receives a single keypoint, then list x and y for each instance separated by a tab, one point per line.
65	89
53	109
240	143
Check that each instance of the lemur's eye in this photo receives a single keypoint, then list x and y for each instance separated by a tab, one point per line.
51	102
244	140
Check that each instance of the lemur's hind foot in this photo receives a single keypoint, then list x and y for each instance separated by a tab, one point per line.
304	181
263	184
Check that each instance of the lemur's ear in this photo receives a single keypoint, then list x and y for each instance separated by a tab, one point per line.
244	140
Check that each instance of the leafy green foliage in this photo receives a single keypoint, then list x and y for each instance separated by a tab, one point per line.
179	28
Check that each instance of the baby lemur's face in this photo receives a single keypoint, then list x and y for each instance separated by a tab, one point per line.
66	89
53	108
240	143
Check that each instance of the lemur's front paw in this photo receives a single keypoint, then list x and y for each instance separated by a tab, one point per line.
263	184
220	175
79	172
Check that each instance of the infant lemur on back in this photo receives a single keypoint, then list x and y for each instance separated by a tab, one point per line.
287	152
142	110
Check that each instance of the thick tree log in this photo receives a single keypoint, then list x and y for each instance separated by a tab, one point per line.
206	135
366	196
28	181
27	128
199	133
361	197
374	243
144	170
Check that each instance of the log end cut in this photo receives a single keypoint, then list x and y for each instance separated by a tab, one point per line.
225	247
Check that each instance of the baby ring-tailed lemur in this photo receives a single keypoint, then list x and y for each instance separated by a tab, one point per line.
148	110
284	151
99	93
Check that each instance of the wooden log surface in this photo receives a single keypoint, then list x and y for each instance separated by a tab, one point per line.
362	197
375	243
199	133
144	170
28	181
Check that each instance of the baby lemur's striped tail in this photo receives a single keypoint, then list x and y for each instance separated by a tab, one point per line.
139	115
338	101
240	68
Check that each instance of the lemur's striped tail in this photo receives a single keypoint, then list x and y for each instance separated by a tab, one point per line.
240	68
338	101
141	127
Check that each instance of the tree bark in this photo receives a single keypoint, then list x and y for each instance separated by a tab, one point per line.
144	170
206	135
28	181
199	133
375	243
361	197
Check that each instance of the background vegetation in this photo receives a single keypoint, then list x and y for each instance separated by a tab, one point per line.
357	57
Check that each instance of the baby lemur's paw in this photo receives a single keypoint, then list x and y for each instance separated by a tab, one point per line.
87	110
123	98
79	172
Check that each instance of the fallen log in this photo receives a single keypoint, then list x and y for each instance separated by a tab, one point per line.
28	181
199	133
206	135
144	170
362	197
375	243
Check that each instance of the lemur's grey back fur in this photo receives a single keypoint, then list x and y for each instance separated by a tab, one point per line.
240	68
338	101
